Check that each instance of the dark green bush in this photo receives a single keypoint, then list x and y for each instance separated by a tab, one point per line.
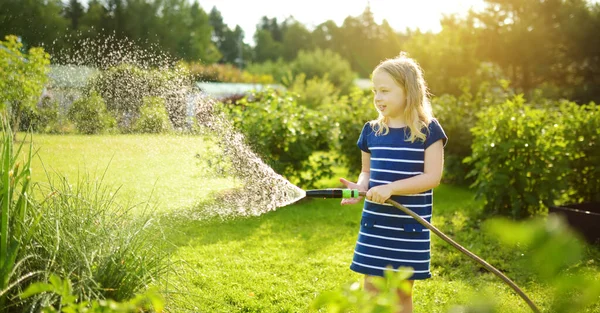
283	133
89	115
457	115
582	133
526	159
518	158
153	116
350	113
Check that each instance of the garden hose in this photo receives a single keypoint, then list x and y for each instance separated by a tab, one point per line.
353	193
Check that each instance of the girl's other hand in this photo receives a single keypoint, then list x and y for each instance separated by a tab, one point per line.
351	185
379	194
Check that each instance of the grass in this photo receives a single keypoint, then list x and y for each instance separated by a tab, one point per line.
280	261
168	167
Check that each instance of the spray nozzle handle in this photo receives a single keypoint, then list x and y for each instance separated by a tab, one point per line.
333	193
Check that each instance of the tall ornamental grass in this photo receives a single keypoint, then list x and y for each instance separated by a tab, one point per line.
16	224
105	250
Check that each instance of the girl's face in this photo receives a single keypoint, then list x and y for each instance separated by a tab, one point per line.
389	97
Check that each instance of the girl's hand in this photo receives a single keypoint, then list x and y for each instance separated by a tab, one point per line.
351	185
379	194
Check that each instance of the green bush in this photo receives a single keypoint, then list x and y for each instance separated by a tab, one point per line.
315	92
124	87
89	115
457	115
226	73
283	133
554	253
518	158
582	133
22	80
279	70
350	113
47	118
94	242
153	116
325	63
69	302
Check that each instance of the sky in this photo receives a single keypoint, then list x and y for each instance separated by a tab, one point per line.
400	14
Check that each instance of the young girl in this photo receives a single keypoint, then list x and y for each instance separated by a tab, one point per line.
402	159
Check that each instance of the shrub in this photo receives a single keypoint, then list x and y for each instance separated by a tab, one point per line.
280	70
457	115
313	93
89	114
22	80
322	63
153	116
518	158
69	303
554	253
582	133
350	113
47	118
282	132
226	73
124	87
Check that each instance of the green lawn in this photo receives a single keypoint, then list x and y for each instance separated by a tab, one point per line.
280	261
168	167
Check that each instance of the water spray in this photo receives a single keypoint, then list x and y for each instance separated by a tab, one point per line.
354	193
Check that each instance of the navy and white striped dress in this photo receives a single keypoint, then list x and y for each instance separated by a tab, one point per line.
388	236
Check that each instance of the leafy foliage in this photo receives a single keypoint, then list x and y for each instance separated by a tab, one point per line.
282	132
350	113
325	64
22	78
226	73
582	133
517	155
314	93
527	158
48	118
153	116
553	252
457	116
124	87
354	299
89	114
70	304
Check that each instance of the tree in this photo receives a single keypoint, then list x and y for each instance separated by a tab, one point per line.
219	27
267	48
74	12
23	79
295	38
535	41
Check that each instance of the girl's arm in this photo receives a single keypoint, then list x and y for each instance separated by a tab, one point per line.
363	179
431	177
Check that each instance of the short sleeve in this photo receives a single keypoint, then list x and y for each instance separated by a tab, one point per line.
435	133
362	140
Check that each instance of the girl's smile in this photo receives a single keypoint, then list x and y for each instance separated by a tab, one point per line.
388	96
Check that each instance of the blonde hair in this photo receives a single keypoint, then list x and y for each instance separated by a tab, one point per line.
407	73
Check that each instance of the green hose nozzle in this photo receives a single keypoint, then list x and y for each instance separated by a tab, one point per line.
333	193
